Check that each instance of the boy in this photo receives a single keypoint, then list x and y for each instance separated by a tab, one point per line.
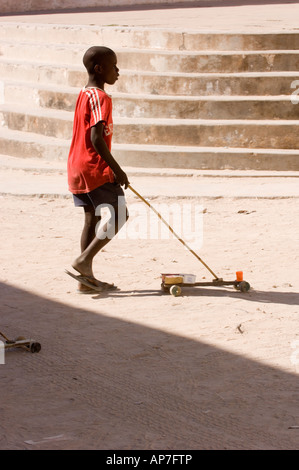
94	177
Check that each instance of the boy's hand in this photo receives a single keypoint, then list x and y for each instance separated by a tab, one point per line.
122	178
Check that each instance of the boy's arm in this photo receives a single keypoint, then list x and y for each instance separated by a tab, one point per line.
101	148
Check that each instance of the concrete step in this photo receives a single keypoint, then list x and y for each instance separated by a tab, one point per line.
181	132
51	123
200	86
209	61
219	84
29	145
146	106
33	165
196	107
212	158
44	53
147	38
38	95
154	83
33	178
208	133
46	74
158	61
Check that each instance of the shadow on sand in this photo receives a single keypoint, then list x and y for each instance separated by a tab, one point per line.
103	383
285	298
157	6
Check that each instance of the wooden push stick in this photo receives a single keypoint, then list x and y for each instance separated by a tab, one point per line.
172	231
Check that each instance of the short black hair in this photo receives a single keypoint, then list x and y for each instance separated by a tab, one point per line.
95	55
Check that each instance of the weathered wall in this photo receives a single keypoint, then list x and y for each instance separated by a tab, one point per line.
13	6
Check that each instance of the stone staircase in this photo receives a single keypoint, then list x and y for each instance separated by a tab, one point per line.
183	100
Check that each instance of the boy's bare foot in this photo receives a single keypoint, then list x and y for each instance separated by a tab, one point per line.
85	270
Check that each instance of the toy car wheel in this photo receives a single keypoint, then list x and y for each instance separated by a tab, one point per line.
175	291
35	347
244	286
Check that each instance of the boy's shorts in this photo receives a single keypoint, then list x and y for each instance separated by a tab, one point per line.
108	193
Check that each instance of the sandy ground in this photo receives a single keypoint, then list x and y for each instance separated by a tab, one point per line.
242	16
141	369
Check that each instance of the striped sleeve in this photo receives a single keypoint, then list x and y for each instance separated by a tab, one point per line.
95	106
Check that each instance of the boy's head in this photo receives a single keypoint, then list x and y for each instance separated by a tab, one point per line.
100	62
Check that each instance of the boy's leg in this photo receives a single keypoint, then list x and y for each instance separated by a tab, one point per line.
83	264
90	222
88	234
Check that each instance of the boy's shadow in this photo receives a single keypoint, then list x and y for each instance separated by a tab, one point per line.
286	298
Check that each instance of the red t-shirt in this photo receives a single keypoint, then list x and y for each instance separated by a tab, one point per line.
86	169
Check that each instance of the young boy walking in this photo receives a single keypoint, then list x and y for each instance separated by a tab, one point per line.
94	176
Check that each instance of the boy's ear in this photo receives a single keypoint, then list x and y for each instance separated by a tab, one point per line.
98	68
